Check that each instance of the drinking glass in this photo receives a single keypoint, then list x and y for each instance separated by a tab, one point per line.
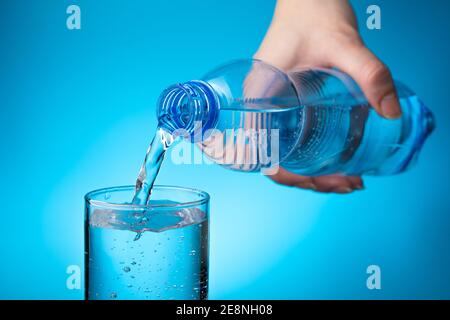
154	251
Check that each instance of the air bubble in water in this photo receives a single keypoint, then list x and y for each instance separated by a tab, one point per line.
113	295
126	269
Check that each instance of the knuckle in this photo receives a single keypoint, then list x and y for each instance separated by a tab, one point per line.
376	73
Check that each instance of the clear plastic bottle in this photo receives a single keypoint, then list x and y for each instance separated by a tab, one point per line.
247	115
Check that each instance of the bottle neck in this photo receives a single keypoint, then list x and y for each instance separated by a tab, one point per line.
188	109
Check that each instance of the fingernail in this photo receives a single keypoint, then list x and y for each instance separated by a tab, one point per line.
359	187
390	107
343	190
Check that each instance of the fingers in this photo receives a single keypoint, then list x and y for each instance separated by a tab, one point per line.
372	76
330	183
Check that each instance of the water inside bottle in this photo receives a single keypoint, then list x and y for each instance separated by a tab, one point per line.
328	129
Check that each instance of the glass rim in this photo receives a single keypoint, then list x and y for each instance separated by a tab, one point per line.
121	206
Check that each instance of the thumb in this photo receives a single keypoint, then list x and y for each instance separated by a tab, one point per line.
372	76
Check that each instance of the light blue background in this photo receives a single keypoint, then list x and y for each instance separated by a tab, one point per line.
77	113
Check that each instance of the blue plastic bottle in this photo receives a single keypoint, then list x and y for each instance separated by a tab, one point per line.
249	116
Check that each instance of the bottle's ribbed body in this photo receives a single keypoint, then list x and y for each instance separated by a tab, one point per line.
312	122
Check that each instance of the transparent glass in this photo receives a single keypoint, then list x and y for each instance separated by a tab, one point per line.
146	252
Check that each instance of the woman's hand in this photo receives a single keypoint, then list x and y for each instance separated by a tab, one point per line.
324	33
